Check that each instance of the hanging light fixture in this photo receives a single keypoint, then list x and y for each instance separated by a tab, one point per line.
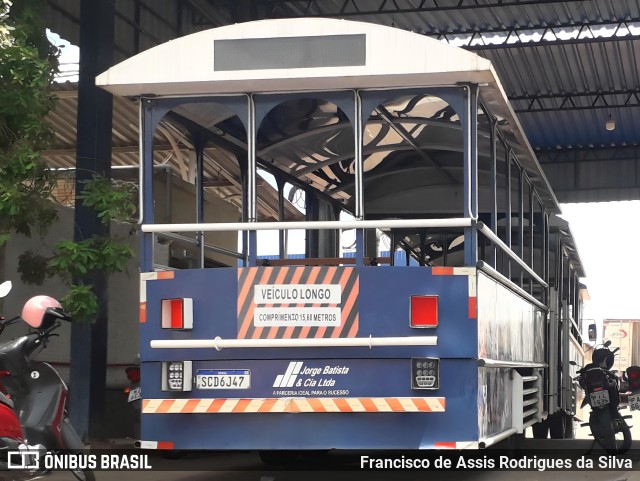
610	124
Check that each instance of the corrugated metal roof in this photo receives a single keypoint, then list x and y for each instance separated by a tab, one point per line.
171	148
526	70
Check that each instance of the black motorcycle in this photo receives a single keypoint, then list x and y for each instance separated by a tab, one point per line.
36	389
602	392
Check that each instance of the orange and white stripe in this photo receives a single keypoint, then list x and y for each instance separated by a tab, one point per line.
462	271
455	445
294	405
156	444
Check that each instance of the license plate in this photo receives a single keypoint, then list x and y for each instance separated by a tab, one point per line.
223	379
600	398
134	394
634	402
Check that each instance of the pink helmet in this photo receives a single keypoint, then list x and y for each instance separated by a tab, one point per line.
34	309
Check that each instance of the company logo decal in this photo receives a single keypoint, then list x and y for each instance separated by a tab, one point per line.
306	380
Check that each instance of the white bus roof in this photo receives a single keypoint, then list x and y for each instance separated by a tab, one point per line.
392	57
311	55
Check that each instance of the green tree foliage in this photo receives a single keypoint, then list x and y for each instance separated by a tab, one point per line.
28	64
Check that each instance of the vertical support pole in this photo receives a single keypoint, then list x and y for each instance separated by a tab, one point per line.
531	237
545	255
521	221
198	144
494	186
89	341
252	200
245	213
470	130
282	234
312	215
507	211
146	181
359	176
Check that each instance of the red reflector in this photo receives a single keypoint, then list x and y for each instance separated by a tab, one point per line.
424	311
177	313
177	320
597	389
133	373
633	374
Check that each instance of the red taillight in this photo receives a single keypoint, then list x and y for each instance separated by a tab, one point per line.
424	311
133	374
633	373
177	313
595	389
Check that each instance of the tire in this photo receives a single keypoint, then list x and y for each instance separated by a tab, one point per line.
612	433
601	428
569	427
561	426
83	474
540	430
622	435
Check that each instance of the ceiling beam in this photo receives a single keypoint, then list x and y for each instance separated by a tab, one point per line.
352	8
555	102
124	149
72	18
488	38
589	154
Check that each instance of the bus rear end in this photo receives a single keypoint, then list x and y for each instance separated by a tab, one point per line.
311	357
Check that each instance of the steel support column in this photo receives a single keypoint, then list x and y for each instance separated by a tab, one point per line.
471	175
89	341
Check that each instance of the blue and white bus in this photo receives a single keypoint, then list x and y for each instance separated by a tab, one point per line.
390	141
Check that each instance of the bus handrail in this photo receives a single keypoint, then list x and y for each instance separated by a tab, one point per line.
310	225
218	343
491	272
496	240
325	261
208	247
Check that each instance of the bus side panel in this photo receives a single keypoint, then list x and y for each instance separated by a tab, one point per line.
494	401
509	327
240	427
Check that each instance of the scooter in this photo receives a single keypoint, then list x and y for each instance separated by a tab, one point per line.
11	435
35	389
602	393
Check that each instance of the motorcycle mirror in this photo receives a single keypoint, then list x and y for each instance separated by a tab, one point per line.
607	344
573	363
5	288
